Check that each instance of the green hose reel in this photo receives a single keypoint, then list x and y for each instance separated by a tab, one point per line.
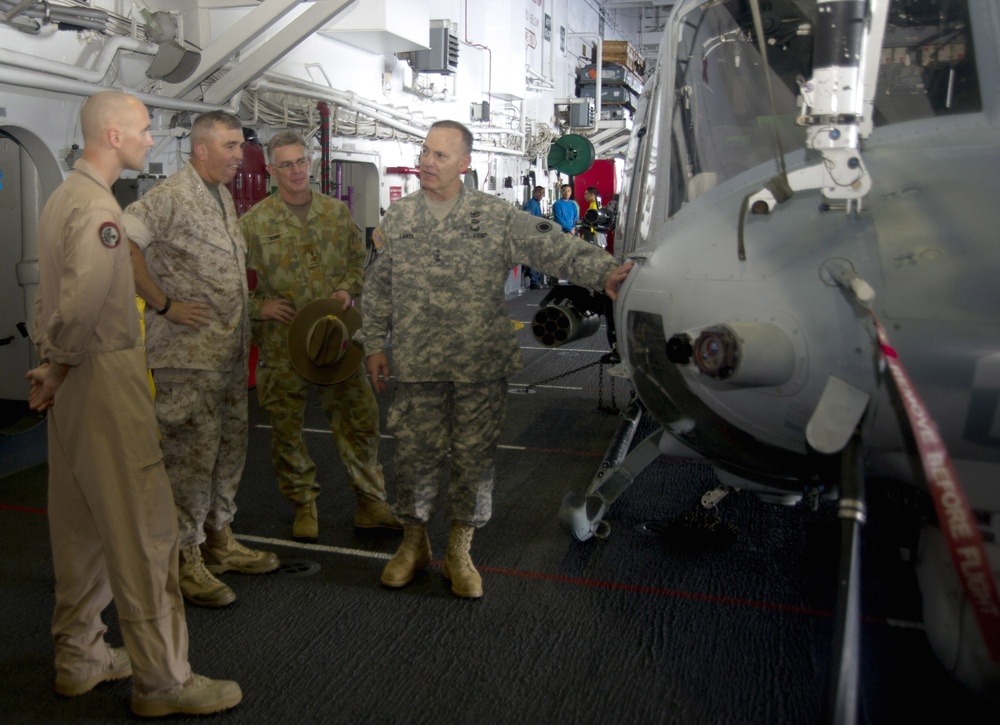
571	154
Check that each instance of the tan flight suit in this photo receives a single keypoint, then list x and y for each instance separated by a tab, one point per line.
111	513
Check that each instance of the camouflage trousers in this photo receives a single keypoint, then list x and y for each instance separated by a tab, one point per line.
352	414
203	423
432	420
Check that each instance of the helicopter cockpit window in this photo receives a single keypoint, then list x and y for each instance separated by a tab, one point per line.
723	120
927	67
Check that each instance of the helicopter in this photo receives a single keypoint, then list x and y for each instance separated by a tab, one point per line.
814	301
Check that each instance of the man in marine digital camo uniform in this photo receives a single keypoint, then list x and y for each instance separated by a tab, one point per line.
192	273
444	254
111	515
305	246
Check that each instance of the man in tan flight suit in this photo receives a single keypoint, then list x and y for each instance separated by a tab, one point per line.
111	514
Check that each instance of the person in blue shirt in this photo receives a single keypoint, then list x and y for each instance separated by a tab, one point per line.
565	211
534	206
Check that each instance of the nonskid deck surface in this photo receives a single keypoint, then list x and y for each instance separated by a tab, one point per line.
654	624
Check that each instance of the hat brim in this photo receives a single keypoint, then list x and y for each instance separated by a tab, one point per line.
347	365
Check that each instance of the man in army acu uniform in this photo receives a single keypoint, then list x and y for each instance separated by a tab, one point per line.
305	246
444	253
191	271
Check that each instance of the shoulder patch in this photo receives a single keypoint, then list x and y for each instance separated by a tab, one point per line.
378	239
109	234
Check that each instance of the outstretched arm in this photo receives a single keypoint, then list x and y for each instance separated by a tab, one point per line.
615	278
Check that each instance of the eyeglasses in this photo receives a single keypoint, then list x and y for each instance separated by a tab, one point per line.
298	163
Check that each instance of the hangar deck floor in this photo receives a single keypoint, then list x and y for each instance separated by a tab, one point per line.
640	627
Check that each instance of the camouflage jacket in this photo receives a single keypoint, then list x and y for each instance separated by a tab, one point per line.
194	252
299	262
440	285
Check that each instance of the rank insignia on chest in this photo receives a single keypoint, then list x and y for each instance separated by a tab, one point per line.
109	234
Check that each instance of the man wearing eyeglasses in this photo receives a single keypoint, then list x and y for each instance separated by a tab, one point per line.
303	246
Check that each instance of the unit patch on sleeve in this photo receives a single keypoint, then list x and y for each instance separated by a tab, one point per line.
110	236
377	238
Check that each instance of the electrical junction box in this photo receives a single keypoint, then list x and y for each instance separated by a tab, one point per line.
480	111
581	113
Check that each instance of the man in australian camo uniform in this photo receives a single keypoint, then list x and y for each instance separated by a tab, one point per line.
304	246
444	253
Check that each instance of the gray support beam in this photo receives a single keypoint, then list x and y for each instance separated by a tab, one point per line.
250	67
222	50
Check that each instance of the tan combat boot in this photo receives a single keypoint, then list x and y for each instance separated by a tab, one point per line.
200	696
222	552
414	553
371	514
197	583
121	666
306	524
458	566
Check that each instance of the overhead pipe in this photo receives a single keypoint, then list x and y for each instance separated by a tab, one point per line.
351	101
41	81
84	18
354	101
337	97
92	75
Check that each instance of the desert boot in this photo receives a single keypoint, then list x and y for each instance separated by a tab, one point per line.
306	524
223	552
372	514
414	553
119	668
201	696
198	585
458	566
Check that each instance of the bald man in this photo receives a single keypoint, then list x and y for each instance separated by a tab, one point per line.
111	513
